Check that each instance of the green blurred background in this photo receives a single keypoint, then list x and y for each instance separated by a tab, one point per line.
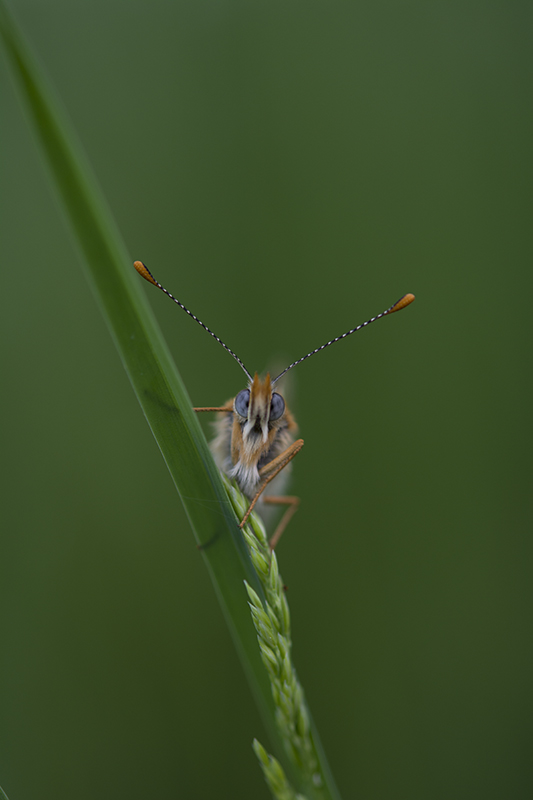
287	169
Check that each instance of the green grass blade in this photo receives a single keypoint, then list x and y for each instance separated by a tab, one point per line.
149	366
3	795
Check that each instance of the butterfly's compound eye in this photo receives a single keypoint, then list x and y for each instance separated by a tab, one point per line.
242	401
277	406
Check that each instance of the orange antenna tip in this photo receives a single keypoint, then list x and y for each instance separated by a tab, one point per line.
402	303
144	272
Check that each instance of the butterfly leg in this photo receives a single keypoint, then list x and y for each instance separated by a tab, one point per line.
270	470
214	408
292	504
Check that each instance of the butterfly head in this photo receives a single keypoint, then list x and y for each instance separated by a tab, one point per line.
258	409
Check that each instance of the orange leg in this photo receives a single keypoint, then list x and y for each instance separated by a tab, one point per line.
270	470
292	507
209	408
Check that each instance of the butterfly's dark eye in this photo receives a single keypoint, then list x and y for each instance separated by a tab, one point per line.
242	401
277	406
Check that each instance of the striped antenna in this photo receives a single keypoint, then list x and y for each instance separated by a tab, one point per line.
147	275
401	303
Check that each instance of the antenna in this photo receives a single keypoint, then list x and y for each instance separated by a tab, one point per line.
145	273
401	303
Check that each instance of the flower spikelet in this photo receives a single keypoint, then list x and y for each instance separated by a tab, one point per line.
274	775
272	624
